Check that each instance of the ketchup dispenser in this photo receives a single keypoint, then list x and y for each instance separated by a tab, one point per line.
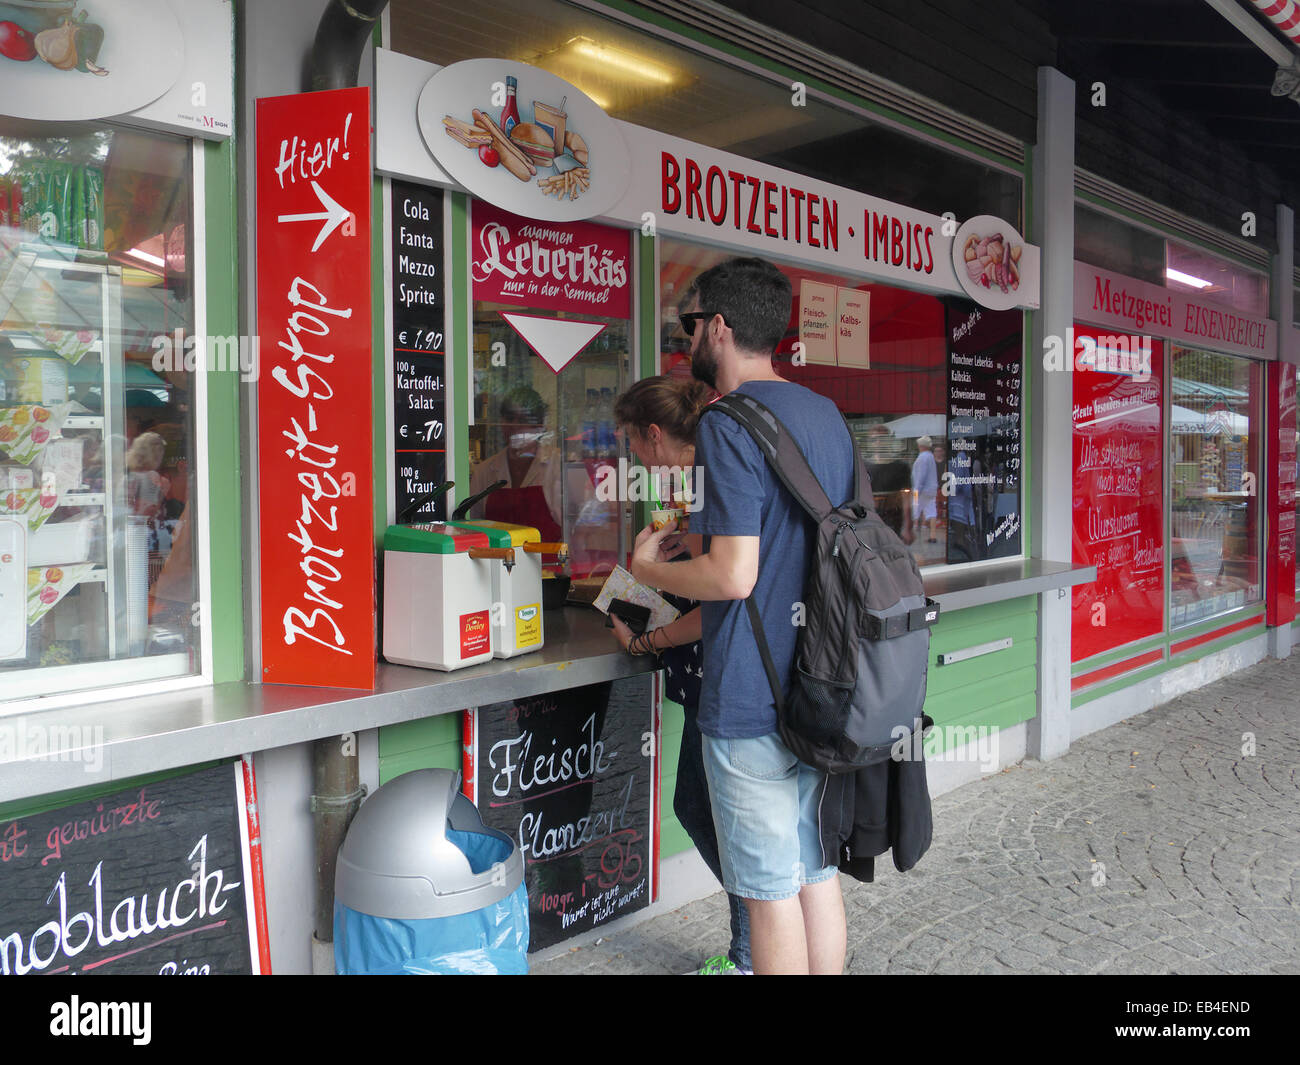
438	594
517	624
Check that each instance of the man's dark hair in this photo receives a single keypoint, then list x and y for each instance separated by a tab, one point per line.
754	298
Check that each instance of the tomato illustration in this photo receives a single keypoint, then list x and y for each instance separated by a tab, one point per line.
16	42
489	155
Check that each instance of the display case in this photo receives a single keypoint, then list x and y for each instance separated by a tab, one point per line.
564	420
81	524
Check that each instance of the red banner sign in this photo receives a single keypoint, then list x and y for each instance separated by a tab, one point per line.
1118	492
576	267
1280	486
1138	306
314	390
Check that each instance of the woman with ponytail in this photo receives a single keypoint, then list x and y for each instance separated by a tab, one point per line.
660	415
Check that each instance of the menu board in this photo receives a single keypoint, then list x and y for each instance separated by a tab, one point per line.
419	351
154	880
1118	494
982	484
570	777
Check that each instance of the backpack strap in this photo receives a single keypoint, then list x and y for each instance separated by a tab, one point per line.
783	454
779	448
765	653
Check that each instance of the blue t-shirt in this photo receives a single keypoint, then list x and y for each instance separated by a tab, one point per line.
742	497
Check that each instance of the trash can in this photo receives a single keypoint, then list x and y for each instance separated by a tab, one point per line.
422	886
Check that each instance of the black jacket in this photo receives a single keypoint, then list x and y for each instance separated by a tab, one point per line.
883	807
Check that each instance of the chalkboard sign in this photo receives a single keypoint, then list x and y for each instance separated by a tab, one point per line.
984	450
571	778
419	350
155	880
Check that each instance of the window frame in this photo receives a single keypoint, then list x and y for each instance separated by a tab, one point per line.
213	304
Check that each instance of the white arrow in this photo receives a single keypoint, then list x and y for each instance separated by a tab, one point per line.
556	340
333	216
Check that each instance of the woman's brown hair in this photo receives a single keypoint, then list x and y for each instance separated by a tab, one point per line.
672	403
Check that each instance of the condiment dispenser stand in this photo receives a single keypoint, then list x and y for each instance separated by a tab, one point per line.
438	594
517	626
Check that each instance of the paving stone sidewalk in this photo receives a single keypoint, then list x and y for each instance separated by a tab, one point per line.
1159	845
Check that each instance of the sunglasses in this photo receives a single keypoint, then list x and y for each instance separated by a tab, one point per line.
689	319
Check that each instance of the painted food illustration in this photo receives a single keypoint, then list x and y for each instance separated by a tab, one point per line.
71	44
993	261
524	147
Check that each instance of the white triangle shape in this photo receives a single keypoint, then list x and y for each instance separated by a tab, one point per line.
556	340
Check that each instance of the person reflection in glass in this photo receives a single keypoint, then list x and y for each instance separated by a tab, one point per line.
530	464
891	479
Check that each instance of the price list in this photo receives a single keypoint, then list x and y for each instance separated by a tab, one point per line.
984	444
419	350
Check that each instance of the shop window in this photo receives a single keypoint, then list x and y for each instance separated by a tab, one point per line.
661	85
930	389
1112	244
1216	280
97	548
1215	426
1118	496
550	356
551	437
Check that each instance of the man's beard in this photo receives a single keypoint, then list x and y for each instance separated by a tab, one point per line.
704	364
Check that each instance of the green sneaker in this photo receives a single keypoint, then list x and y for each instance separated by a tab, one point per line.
719	965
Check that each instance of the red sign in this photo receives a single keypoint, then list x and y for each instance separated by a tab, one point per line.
1118	492
314	391
576	267
1280	487
475	635
1139	306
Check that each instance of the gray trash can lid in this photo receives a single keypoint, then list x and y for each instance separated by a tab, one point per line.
397	861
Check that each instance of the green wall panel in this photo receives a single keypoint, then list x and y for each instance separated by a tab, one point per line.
672	837
426	732
445	756
994	690
225	522
430	743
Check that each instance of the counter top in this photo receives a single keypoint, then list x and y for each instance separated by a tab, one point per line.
122	738
145	734
993	582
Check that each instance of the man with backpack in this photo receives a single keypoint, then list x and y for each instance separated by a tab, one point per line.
758	540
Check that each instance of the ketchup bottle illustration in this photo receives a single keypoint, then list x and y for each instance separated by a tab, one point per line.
510	113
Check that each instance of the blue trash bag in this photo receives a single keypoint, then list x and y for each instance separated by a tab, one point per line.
486	941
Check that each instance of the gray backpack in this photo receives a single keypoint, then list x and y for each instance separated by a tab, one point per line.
857	684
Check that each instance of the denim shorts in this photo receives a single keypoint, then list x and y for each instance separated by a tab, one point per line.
765	808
